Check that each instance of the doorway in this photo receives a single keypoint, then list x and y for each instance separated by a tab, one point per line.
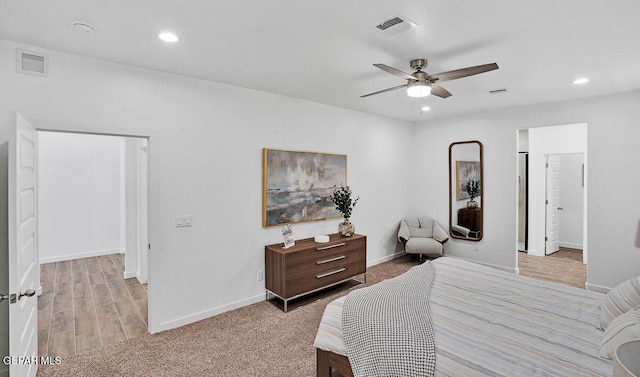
552	192
93	274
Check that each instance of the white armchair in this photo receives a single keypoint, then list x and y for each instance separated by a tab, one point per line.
422	236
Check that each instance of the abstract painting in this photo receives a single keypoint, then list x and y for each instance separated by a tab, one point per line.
296	185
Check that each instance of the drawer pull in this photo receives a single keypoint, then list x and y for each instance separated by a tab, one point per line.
330	246
330	273
331	260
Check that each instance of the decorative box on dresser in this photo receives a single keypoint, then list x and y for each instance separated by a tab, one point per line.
310	266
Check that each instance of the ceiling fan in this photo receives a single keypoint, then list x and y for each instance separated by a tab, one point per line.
421	84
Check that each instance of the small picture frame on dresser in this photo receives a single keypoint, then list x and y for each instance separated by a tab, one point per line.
287	234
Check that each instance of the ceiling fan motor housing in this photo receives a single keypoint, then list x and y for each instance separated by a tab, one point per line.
418	64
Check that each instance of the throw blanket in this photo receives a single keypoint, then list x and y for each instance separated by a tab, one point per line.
388	328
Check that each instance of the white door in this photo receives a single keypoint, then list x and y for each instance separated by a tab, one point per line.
552	241
24	276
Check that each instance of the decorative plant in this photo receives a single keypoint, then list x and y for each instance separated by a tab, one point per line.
341	197
472	187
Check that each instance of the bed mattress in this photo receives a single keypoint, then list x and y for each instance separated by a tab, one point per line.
490	322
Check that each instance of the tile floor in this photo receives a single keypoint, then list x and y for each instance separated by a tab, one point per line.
564	266
86	304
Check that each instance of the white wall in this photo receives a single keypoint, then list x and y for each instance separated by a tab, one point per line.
571	200
205	160
79	195
612	162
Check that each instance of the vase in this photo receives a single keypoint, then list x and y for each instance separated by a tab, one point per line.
346	228
472	204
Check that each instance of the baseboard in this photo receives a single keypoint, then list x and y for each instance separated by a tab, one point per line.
207	313
88	254
596	288
130	274
385	259
570	245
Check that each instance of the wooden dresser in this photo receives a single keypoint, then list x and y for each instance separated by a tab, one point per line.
309	266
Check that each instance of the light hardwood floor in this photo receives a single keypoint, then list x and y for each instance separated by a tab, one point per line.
564	266
86	304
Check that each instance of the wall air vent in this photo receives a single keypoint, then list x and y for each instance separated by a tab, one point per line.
32	63
395	25
498	91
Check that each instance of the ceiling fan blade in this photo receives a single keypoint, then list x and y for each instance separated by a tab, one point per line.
395	71
384	90
439	91
464	72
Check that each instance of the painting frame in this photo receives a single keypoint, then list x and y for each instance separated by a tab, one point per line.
464	171
296	185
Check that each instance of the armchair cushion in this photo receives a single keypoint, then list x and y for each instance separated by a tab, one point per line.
420	232
427	246
422	236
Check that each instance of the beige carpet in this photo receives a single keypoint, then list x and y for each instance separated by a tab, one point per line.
256	340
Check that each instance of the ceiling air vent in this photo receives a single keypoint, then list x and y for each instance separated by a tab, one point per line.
395	25
32	63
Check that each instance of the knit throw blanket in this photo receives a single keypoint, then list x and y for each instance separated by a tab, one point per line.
388	329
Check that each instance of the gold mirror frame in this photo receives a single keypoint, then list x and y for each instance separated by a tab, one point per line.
465	166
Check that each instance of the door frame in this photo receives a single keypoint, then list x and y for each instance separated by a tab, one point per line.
61	125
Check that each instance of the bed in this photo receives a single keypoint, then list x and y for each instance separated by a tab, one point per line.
490	322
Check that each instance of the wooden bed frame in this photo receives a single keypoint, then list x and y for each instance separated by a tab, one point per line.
329	363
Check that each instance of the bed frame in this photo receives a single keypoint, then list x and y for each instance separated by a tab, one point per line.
329	363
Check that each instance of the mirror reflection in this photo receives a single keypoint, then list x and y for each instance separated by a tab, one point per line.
465	190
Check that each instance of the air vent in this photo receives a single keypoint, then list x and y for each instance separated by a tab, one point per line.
32	63
498	91
388	23
395	25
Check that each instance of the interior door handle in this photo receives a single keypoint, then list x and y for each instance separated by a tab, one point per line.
13	298
28	293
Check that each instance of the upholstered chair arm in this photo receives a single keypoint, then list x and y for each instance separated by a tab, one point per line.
403	233
439	234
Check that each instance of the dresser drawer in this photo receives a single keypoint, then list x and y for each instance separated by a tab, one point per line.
323	252
325	271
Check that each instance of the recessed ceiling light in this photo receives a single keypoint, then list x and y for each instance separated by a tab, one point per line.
168	37
426	108
581	80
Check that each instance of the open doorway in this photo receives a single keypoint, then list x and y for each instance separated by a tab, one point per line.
552	202
92	241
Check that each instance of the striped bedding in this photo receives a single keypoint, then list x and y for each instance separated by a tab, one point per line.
493	323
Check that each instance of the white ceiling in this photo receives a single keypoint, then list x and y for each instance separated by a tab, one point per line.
323	50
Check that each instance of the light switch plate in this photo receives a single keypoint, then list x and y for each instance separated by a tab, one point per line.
183	221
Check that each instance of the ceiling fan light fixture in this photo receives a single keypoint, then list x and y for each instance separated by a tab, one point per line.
418	89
